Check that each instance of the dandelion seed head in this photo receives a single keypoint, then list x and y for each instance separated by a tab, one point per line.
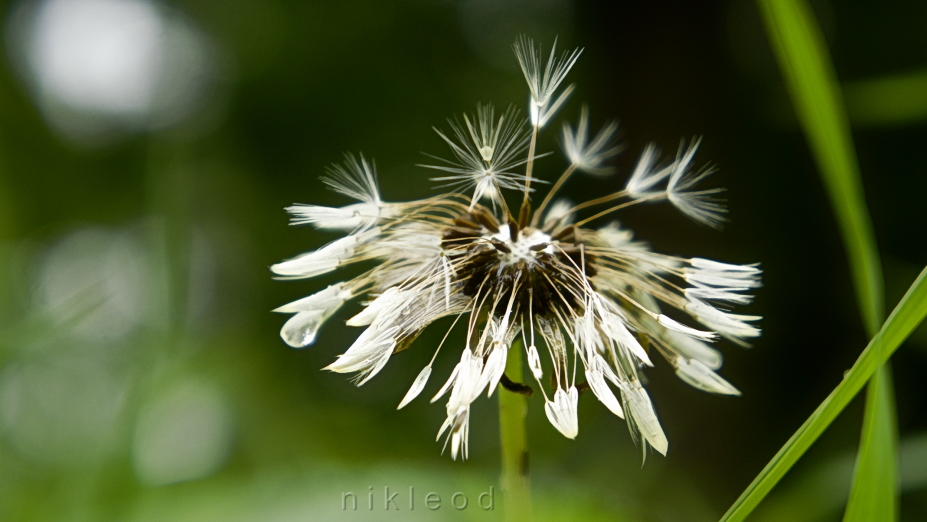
536	284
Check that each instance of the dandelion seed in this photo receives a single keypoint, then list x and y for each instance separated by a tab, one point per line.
534	362
645	176
311	312
355	179
699	205
417	386
589	156
486	149
543	83
561	412
701	376
590	300
559	214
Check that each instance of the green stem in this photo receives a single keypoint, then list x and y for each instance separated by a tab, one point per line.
513	410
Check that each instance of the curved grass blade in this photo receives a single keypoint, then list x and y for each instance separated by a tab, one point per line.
904	319
820	492
875	481
816	95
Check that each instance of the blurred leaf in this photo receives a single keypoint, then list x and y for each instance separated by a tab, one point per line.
890	100
907	315
812	84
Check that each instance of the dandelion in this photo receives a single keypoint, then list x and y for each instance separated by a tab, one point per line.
581	300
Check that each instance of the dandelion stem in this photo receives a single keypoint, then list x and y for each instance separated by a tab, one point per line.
513	410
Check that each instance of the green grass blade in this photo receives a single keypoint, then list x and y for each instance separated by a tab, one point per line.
904	319
820	492
816	95
875	480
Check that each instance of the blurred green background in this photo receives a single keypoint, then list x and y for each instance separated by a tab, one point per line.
147	151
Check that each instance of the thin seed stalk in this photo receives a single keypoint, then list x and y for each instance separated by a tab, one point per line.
619	207
513	410
550	194
598	201
530	163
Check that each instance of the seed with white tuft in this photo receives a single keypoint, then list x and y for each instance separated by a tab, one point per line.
417	386
642	410
495	367
676	326
694	349
388	299
615	329
596	380
325	259
561	412
311	312
534	363
700	376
